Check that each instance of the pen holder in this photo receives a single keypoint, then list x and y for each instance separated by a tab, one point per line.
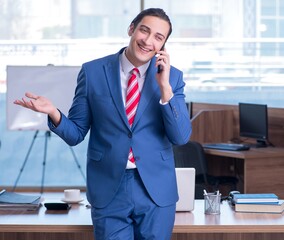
212	203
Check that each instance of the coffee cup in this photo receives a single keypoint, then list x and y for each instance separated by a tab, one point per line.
72	195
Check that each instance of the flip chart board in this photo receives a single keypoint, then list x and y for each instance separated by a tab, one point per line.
57	83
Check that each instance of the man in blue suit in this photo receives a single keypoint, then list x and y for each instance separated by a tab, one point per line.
130	200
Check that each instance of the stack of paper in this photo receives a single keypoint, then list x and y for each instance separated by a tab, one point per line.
262	203
16	201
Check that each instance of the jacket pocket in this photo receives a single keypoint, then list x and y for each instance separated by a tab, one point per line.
95	155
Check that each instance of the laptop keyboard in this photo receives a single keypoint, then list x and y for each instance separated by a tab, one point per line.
227	146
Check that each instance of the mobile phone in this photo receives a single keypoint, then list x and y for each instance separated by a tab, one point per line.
57	206
160	68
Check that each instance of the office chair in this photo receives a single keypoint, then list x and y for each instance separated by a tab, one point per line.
192	155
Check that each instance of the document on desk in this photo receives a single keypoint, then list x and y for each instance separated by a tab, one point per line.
16	201
11	197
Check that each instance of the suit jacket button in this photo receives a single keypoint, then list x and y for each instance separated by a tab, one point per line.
130	135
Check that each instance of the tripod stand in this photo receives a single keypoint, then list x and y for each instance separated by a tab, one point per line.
47	136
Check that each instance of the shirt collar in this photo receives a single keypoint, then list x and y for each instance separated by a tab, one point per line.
127	66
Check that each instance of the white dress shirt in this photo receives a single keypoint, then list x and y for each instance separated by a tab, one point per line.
125	72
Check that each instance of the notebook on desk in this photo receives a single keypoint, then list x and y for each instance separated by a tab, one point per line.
186	189
227	146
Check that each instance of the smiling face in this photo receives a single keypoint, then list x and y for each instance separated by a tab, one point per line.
146	39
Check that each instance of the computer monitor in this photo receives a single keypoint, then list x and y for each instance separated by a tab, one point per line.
254	122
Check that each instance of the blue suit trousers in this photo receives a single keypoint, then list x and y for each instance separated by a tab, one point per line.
132	215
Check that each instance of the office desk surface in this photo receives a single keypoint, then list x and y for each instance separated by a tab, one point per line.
78	220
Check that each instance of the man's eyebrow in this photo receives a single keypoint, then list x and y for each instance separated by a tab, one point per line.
144	26
149	29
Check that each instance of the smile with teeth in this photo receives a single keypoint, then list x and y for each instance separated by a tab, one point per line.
144	49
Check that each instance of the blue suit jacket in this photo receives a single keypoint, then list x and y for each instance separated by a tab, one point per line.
98	107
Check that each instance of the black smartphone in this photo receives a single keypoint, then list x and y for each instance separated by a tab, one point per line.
160	68
57	206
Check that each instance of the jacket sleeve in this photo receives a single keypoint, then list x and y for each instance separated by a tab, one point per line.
175	113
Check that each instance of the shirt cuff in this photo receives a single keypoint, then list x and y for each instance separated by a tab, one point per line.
165	103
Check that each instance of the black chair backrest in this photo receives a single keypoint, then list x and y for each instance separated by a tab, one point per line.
191	155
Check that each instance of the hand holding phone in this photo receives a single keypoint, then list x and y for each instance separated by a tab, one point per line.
163	75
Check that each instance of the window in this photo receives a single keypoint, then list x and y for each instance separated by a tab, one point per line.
227	53
268	7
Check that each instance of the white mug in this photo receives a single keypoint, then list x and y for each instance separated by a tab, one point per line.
72	194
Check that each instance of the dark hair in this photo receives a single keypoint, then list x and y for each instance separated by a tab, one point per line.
155	12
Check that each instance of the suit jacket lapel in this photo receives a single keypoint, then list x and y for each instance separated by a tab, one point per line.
112	70
148	91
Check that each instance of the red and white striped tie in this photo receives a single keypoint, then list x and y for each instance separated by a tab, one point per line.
132	100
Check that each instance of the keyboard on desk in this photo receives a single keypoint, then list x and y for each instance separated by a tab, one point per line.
227	146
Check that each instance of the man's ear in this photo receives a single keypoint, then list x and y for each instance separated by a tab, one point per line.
130	30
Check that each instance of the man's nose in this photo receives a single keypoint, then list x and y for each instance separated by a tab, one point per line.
148	40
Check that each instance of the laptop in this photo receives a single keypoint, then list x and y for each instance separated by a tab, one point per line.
186	189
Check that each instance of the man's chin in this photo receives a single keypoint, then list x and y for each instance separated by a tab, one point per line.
145	57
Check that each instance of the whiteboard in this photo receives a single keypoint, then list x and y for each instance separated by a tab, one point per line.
57	83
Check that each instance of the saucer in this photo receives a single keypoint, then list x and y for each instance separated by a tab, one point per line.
72	200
